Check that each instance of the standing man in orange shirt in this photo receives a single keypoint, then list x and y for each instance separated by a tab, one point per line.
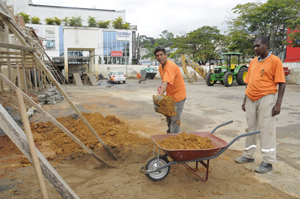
173	84
264	74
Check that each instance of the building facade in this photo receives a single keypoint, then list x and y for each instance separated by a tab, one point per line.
100	46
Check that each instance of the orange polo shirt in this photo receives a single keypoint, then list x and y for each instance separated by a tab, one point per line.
263	76
176	87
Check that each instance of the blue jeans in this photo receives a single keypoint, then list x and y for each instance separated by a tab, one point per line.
174	122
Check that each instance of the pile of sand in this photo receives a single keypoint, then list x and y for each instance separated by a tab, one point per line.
111	130
184	141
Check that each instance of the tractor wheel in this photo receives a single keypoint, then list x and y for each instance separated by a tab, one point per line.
228	79
241	76
208	80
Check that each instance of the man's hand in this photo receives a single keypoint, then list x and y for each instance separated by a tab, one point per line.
276	109
243	106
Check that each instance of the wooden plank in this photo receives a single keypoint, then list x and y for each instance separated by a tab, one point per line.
18	75
55	122
32	149
14	57
14	53
92	79
35	81
40	83
24	75
17	62
5	16
77	79
7	50
17	47
1	82
15	133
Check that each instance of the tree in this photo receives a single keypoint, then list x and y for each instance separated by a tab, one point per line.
270	19
76	21
119	24
35	20
25	17
92	21
199	44
240	41
66	21
50	21
150	53
103	24
294	33
57	21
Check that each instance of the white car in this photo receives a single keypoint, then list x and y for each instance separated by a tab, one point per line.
116	77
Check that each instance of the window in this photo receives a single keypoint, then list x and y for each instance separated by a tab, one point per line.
111	44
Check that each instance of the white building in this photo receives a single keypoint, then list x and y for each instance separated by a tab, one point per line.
104	46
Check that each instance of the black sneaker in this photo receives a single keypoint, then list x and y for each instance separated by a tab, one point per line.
264	168
243	160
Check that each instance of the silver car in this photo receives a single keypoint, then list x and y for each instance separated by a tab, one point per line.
116	77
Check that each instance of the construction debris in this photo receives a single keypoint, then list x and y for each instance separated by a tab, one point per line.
51	96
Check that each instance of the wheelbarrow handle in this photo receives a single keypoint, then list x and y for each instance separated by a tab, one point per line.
221	126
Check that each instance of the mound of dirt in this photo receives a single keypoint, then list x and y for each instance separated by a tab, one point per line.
184	141
111	130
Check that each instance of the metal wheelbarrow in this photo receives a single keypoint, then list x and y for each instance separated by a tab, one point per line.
158	166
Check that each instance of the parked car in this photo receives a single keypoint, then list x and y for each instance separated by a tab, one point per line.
116	77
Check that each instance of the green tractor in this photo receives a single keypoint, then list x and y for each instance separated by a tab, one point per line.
228	73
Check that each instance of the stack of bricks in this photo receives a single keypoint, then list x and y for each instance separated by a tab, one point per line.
51	96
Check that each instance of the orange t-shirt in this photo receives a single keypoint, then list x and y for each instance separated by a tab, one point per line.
176	86
263	77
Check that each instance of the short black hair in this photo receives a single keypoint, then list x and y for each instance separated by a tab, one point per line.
159	48
263	39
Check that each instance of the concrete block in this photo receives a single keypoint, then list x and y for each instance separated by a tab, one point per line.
48	94
41	96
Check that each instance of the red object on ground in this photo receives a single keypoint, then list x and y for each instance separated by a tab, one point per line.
287	71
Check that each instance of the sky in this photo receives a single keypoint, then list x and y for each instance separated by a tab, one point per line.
154	16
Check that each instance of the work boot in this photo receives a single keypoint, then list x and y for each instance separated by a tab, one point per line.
243	160
264	168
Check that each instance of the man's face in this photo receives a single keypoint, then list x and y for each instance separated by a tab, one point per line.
260	48
161	57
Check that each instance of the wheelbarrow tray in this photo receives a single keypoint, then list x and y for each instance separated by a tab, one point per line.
192	154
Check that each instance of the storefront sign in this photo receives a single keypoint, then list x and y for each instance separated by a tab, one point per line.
49	32
116	53
123	35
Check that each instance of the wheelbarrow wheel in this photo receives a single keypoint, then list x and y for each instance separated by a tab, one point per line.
153	163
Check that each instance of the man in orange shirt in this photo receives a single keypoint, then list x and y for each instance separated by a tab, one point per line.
264	74
173	84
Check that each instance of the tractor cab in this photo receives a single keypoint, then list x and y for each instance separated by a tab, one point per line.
229	72
216	62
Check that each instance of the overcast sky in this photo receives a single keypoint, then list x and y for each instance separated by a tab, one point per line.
154	16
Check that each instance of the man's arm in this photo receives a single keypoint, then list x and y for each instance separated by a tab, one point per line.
244	103
163	88
277	107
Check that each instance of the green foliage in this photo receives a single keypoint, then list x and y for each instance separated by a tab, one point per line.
57	21
25	17
50	21
199	44
294	36
119	24
271	19
240	41
103	24
35	20
99	60
66	21
92	21
76	21
150	53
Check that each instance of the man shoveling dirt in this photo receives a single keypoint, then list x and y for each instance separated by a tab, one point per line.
173	84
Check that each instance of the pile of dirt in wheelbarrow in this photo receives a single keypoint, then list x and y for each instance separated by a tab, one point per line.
164	105
185	141
111	130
